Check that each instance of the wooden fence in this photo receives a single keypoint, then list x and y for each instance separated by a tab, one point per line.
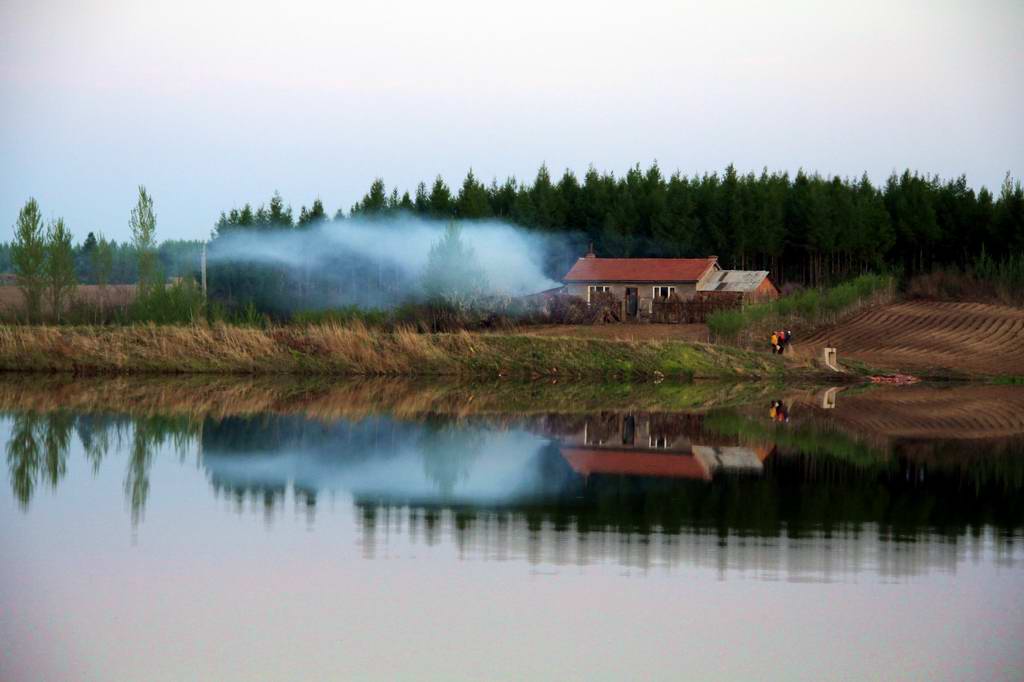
675	310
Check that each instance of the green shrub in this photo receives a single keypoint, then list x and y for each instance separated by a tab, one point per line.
808	303
726	323
180	303
799	310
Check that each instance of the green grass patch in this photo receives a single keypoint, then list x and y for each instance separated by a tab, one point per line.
801	311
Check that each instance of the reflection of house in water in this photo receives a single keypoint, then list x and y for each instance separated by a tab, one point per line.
655	445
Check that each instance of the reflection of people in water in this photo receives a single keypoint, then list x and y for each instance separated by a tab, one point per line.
778	412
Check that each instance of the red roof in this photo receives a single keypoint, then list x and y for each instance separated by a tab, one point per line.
588	461
639	269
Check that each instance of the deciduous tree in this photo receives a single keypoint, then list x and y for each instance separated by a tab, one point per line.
143	226
59	271
28	256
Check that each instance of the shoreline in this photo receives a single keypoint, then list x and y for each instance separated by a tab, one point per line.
325	397
356	351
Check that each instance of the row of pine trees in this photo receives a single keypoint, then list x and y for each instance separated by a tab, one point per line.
804	228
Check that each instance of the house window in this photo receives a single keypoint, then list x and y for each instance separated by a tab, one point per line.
597	290
663	292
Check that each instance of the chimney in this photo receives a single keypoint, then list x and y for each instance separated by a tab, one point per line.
590	251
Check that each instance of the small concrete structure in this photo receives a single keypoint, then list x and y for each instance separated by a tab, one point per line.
829	357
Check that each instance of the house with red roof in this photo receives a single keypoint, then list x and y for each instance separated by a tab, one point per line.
637	281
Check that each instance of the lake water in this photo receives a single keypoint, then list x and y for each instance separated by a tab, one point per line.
211	530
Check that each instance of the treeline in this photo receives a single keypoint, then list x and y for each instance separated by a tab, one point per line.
805	228
175	257
48	268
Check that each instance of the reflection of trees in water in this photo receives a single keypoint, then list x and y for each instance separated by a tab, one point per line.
24	456
37	451
944	487
39	443
800	499
95	435
551	537
449	451
149	434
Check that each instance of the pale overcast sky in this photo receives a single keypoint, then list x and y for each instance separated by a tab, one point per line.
212	104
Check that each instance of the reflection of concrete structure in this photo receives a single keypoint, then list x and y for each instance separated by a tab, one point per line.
654	445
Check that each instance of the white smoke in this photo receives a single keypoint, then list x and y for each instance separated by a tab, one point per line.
512	257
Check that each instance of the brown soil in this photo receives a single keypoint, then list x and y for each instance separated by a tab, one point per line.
624	332
930	337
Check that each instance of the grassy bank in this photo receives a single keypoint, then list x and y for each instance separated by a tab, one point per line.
357	350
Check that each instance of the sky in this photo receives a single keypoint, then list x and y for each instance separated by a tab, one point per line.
214	104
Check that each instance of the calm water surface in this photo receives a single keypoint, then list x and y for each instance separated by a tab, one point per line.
871	535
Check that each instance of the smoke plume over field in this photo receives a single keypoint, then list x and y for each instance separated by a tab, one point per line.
377	262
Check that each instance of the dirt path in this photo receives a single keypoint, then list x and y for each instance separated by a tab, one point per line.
975	338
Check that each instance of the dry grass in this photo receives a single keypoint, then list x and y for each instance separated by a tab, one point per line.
112	297
356	350
623	332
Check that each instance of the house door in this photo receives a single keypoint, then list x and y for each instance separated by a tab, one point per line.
631	301
629	430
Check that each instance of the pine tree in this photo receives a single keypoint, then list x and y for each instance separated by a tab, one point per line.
279	216
548	208
452	274
440	200
374	202
472	201
1008	221
313	215
422	201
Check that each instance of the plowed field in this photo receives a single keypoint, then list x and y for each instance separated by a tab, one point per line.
969	338
926	412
